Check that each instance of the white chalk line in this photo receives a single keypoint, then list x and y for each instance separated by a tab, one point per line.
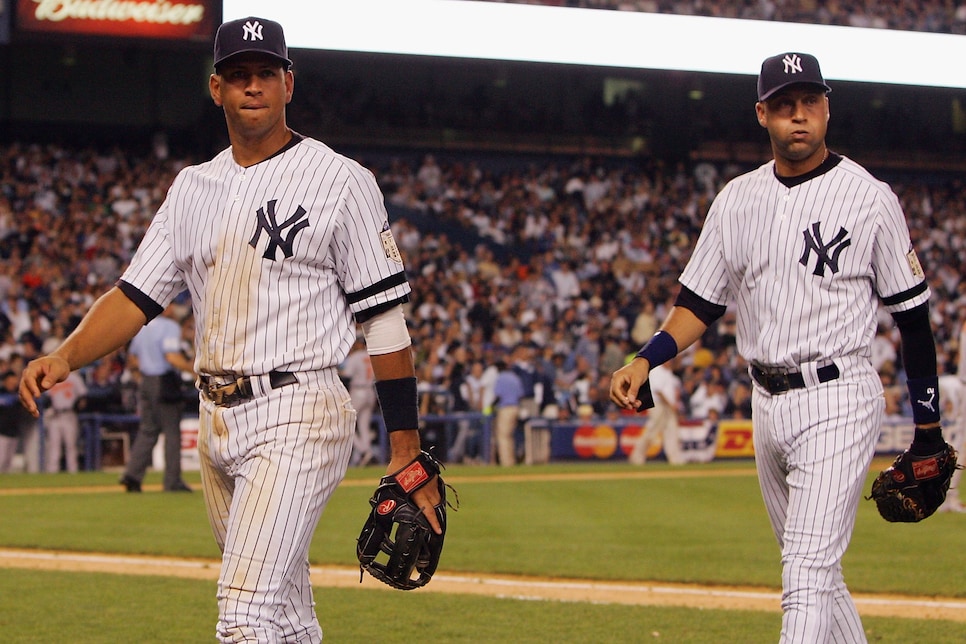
512	585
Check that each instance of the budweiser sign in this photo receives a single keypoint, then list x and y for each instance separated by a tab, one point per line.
191	19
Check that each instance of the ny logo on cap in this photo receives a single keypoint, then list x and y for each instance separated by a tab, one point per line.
254	29
793	63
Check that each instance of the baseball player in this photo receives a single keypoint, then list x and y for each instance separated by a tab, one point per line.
662	419
953	391
357	370
61	424
802	247
283	245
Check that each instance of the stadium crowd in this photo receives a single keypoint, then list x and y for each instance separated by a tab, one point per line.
936	16
573	259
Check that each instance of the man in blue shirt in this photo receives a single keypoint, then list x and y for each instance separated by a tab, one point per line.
156	352
508	390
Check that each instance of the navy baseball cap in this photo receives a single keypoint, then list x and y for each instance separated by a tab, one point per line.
778	72
251	35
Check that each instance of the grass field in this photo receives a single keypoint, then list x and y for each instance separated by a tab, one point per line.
607	522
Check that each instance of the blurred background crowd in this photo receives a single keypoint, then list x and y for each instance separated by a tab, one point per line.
574	261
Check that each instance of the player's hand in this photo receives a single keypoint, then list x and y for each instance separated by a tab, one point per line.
627	381
427	498
38	376
404	448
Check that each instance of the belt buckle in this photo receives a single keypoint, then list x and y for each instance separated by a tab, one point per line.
224	395
216	394
777	382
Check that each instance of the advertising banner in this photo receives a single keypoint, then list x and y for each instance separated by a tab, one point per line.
189	447
614	440
161	19
701	441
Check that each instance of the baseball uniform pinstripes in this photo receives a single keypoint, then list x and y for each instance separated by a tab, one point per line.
254	474
804	262
809	467
340	252
753	245
277	258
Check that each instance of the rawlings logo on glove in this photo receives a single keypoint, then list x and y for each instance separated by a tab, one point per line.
398	530
913	487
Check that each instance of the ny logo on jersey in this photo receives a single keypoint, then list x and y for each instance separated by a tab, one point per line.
253	31
792	63
266	221
813	242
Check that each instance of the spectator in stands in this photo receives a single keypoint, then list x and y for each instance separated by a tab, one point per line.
908	15
103	380
16	309
472	385
566	284
739	401
430	175
891	390
710	396
11	419
476	288
883	346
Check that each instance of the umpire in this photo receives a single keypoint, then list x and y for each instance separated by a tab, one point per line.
156	353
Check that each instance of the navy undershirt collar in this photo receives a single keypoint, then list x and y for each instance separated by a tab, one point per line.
830	162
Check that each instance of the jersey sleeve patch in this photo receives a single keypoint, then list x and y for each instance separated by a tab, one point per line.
914	264
389	245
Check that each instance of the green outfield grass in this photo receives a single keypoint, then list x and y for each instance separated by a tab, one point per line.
557	520
107	609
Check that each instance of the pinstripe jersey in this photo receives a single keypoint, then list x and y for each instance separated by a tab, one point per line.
803	260
277	257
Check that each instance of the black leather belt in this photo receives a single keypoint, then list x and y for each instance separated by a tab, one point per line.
778	382
240	390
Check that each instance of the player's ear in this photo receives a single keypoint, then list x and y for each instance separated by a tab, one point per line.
289	84
760	113
214	88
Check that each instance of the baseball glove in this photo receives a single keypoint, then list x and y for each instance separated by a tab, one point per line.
913	487
397	528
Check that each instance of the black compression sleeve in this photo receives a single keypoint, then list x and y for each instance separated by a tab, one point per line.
918	344
704	310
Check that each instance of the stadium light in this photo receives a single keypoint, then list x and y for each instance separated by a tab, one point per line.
546	34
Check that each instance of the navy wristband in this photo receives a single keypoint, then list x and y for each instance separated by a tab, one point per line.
399	402
659	349
924	397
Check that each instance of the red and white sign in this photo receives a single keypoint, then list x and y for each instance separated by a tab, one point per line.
168	19
595	441
190	460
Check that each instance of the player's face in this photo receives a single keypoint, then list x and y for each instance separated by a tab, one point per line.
253	90
797	121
